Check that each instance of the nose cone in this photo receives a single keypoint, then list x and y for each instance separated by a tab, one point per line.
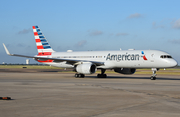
173	63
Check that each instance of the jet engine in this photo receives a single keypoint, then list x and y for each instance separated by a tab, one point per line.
86	68
125	70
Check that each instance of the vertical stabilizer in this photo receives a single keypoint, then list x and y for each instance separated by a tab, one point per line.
42	44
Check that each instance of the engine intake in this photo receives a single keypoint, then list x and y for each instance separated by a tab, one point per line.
125	70
86	68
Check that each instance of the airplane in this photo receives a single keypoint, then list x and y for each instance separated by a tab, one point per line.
87	62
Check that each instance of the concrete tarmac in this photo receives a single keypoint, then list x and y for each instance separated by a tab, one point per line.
48	94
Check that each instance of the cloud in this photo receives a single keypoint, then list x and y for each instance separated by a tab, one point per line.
135	15
154	24
96	33
20	45
25	31
122	34
111	34
174	41
176	24
157	26
81	43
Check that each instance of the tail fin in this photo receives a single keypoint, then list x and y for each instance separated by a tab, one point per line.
42	44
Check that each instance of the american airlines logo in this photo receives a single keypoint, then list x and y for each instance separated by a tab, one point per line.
125	57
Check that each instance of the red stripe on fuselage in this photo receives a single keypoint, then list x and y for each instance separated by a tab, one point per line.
44	53
46	61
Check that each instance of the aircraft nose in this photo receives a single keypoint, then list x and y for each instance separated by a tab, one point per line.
173	63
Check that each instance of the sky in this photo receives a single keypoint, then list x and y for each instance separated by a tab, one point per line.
83	25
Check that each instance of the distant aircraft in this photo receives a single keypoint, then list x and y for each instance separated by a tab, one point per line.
87	62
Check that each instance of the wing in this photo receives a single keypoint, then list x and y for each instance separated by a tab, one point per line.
68	61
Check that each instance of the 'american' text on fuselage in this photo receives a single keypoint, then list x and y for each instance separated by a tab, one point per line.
122	57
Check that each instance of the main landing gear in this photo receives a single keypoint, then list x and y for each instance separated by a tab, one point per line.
153	77
79	75
102	75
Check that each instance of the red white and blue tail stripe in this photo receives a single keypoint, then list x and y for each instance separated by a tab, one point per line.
42	44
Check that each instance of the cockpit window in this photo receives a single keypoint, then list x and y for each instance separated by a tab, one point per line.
166	56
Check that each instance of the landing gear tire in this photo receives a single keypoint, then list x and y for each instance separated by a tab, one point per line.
101	75
153	78
82	75
76	75
79	75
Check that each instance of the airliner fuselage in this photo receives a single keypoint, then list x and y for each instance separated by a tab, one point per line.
117	59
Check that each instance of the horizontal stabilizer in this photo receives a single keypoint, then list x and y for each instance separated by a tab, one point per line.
7	51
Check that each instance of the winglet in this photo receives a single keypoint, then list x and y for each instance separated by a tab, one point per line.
7	51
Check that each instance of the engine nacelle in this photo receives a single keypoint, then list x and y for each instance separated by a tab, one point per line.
86	68
125	70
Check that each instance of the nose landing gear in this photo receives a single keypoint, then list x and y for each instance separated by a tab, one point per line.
153	77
